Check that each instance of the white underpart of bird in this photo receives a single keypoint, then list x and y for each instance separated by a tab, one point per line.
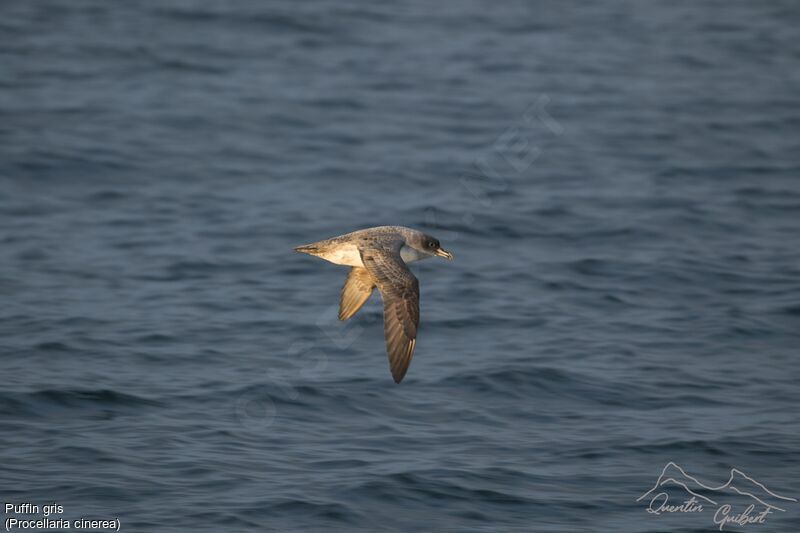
379	257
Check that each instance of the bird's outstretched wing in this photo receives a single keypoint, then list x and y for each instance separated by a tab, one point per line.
357	289
400	292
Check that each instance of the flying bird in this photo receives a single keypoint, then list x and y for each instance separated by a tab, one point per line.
379	257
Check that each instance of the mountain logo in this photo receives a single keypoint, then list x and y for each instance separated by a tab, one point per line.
699	496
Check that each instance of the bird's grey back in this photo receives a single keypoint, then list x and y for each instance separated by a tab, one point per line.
378	233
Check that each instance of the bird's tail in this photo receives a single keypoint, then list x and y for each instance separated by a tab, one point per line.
311	249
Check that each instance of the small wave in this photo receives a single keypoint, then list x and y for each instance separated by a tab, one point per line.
792	310
336	511
554	384
106	196
676	446
53	346
91	396
433	486
42	402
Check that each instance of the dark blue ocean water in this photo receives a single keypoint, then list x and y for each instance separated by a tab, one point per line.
619	183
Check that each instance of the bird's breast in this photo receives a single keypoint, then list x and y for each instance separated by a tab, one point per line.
409	254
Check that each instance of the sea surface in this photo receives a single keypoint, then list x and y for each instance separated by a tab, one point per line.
619	183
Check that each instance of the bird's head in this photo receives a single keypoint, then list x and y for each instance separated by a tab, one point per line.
428	245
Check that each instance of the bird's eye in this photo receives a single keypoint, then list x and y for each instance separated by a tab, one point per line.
431	244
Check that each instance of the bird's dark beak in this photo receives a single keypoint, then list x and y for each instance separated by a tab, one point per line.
441	252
